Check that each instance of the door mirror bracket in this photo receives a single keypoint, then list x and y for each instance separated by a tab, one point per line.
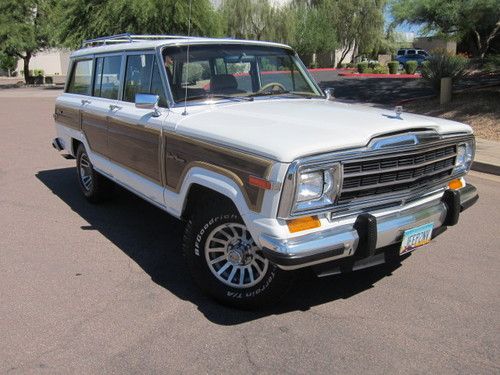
148	101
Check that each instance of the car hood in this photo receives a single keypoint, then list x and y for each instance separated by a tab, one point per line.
286	129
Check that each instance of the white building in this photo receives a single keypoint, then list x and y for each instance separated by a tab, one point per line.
53	62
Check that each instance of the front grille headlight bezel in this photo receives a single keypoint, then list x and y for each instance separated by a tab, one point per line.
465	156
288	207
327	183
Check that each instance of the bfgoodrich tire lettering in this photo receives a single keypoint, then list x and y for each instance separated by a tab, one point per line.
225	262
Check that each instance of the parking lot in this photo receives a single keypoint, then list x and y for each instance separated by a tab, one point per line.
103	289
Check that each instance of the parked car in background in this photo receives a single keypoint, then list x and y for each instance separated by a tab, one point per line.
411	54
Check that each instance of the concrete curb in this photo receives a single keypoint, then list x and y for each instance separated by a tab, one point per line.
487	158
486	168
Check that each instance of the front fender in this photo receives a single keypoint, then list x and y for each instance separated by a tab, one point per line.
221	182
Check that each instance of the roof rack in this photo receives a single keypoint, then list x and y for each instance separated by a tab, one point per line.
126	38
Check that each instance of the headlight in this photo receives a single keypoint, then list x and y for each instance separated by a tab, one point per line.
465	156
316	187
310	186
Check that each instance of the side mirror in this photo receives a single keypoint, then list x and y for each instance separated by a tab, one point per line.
329	92
148	101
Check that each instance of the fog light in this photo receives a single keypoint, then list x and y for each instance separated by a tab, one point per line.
456	184
303	223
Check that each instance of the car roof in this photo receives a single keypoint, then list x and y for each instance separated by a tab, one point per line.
171	41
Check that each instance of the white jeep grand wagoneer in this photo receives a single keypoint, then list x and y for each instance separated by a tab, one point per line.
270	174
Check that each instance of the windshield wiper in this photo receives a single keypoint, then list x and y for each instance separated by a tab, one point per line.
281	93
219	96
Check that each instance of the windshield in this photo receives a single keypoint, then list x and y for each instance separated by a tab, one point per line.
235	71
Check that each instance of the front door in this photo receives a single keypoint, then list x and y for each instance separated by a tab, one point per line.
134	134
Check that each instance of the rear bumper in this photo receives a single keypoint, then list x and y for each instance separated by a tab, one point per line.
360	239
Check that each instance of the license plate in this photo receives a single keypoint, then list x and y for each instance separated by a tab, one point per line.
416	237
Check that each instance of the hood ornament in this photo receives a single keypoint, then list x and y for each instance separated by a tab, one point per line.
330	92
398	109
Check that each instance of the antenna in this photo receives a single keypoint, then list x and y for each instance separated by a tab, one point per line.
187	62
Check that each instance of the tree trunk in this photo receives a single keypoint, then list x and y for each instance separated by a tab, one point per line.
483	47
344	53
26	61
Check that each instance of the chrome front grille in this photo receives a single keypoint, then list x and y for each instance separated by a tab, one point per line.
373	177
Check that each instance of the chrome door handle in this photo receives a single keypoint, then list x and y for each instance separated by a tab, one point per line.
114	107
85	101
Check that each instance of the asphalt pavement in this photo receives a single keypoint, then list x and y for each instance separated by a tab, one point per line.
103	289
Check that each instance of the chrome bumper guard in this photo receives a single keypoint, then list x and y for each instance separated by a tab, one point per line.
369	232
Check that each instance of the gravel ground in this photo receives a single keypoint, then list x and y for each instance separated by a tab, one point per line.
478	108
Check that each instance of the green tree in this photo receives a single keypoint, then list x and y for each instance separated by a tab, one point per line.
79	20
7	63
359	24
248	19
313	30
476	19
25	28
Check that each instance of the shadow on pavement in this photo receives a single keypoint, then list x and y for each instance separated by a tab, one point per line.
152	239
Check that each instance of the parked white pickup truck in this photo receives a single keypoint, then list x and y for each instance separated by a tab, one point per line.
269	173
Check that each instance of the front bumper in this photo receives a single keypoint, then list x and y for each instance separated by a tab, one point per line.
360	239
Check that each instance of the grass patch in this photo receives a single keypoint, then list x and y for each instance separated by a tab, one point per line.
479	109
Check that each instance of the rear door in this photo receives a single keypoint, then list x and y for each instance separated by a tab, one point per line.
103	103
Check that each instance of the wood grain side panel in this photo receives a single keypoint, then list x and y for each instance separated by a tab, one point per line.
135	147
183	153
95	129
67	116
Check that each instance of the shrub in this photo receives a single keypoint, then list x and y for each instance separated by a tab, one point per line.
393	67
363	67
38	72
492	64
343	65
380	69
372	64
411	67
443	65
313	65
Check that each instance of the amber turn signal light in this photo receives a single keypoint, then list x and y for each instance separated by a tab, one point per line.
259	182
303	223
455	184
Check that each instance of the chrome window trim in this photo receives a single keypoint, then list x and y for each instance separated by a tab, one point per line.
429	140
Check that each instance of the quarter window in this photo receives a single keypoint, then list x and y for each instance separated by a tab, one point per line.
107	81
81	78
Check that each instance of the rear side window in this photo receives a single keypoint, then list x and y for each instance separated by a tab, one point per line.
401	52
137	76
81	78
107	78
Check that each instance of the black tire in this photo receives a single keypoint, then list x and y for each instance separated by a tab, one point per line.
95	187
201	225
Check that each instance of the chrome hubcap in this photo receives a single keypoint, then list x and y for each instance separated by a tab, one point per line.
233	257
85	172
